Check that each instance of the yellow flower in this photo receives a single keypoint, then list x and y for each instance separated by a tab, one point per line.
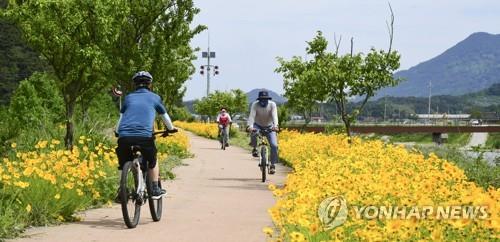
296	236
21	184
79	192
371	173
271	187
13	145
57	196
69	185
268	231
28	208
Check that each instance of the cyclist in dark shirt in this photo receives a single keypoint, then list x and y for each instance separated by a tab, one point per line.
135	126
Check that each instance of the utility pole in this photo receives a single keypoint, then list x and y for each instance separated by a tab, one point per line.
430	94
208	54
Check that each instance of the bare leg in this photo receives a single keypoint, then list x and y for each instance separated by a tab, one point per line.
154	173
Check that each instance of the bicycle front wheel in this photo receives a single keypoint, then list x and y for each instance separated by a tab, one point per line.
131	208
155	205
222	139
263	162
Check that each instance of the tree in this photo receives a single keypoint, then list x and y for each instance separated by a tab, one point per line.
155	36
302	87
69	35
336	78
240	102
235	101
92	44
36	102
283	114
171	53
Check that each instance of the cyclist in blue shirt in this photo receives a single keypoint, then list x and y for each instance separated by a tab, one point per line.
135	126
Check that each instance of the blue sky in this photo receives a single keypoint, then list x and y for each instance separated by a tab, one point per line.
247	36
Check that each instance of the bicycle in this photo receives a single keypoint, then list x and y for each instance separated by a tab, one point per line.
223	136
263	157
135	187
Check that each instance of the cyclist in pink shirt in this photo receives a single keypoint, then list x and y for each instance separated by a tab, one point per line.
224	121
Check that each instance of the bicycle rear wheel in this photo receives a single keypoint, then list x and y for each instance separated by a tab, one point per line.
263	162
155	205
131	207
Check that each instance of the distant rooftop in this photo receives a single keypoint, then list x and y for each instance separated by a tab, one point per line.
443	116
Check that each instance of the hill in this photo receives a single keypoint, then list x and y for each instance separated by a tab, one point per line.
471	65
487	100
17	61
253	94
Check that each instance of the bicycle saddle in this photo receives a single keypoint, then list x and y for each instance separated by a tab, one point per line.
135	148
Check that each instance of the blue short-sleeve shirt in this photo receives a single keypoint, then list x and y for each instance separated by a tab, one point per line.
138	113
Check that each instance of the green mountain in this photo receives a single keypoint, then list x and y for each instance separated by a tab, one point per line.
17	61
471	65
484	101
253	94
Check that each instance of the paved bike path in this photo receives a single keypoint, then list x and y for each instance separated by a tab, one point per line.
217	196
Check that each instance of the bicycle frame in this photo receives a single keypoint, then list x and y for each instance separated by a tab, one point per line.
263	152
223	135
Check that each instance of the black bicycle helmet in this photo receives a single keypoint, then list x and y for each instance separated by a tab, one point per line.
142	77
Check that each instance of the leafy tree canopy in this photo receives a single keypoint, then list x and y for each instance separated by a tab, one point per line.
235	101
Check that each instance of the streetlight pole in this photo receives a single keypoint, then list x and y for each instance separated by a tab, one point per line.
208	54
430	94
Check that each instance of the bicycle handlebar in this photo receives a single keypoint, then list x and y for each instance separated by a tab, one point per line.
268	130
164	133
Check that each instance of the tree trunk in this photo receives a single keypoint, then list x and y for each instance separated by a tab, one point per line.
70	130
347	124
348	130
341	108
307	120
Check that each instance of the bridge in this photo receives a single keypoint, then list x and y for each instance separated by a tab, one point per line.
436	131
396	129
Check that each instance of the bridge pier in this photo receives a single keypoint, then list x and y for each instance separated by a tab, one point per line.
439	138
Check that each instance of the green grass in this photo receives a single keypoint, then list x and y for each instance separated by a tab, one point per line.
240	139
168	165
409	137
459	139
476	169
493	141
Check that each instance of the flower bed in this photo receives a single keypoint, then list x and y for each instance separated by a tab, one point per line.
370	173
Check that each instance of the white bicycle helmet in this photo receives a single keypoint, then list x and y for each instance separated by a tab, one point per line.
142	77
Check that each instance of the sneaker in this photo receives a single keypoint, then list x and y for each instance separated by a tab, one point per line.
158	193
272	170
255	153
